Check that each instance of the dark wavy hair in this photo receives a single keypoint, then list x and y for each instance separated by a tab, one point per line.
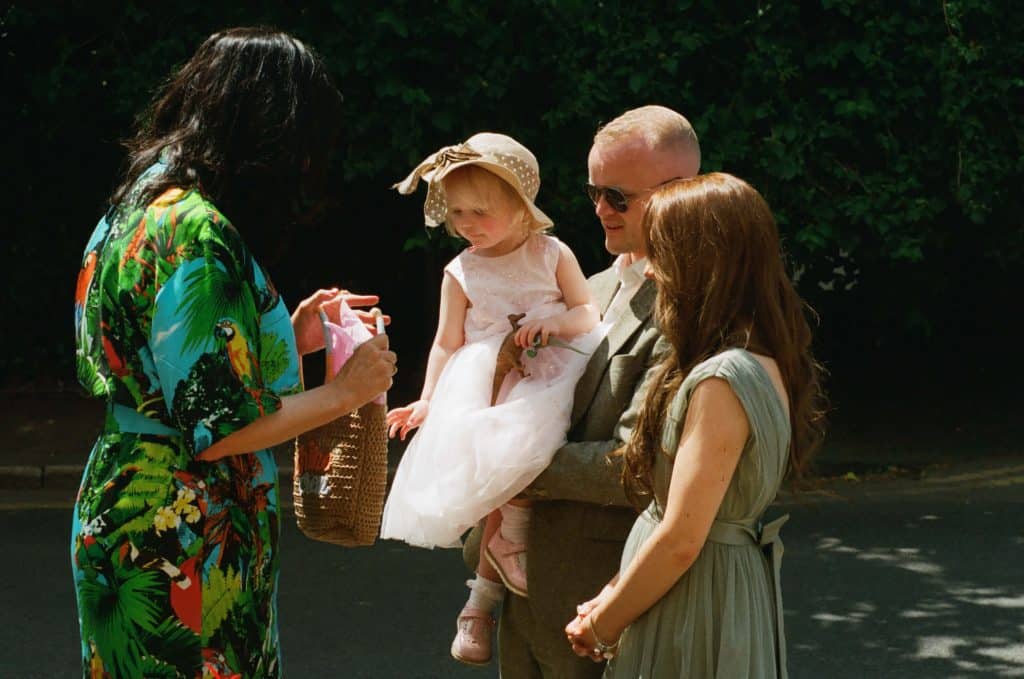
250	122
716	259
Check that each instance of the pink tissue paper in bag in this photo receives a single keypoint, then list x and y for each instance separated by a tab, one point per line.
341	341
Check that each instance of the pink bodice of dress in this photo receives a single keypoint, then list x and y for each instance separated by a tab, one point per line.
522	281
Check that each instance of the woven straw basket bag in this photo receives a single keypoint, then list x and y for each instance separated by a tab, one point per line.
341	477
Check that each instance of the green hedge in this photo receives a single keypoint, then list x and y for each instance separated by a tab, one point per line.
886	136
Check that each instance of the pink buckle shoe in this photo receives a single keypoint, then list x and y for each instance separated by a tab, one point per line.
472	643
504	556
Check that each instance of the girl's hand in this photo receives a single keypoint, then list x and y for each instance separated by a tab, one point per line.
403	420
366	374
528	332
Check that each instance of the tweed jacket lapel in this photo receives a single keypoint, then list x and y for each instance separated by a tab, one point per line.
604	286
638	311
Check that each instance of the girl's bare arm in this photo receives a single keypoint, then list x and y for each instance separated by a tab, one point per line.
449	337
582	314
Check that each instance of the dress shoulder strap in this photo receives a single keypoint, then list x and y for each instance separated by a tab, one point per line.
752	386
456	267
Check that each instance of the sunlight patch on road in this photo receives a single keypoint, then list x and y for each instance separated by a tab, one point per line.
835	545
942	648
907	559
829	618
965	593
858	613
996	601
1007	653
917	614
1010	653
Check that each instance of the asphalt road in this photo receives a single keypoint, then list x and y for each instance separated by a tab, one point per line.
892	584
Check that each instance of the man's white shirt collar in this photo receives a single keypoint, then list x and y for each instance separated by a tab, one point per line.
631	275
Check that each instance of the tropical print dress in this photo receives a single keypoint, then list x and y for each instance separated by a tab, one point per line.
175	559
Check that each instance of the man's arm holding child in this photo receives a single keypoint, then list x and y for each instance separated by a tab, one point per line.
580	470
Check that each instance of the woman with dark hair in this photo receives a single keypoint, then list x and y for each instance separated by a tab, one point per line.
180	330
736	404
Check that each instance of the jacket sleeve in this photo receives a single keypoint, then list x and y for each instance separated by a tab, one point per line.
581	471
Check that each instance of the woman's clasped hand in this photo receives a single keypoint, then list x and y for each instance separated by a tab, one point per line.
582	631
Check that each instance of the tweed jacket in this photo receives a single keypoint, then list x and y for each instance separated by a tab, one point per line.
580	515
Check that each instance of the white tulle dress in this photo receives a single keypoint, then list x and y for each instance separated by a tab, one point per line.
469	457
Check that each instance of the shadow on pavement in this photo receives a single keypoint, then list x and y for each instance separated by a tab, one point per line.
927	588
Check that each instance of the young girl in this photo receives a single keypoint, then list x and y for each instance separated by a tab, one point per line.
477	449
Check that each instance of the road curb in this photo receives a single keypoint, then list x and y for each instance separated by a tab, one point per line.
69	476
61	476
21	477
923	479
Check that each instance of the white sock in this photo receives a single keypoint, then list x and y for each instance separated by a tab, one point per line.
484	594
515	523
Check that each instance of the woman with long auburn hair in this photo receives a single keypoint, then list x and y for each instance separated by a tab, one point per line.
736	406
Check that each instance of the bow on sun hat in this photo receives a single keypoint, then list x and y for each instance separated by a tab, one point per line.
498	153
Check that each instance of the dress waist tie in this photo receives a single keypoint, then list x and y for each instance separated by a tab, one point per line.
766	536
131	421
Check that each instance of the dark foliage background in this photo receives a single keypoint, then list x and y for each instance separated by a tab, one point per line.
888	137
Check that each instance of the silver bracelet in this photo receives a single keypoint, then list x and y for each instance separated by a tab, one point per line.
606	651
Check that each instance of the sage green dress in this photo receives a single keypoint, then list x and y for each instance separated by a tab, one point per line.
722	619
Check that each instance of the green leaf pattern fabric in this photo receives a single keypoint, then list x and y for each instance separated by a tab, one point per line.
175	559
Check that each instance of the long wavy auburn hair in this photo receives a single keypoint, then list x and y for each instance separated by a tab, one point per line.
249	121
715	256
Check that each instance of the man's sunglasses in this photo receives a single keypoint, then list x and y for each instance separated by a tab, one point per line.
618	199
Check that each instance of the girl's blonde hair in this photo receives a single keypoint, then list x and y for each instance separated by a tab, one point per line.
487	191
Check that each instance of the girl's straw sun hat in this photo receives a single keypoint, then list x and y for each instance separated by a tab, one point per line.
498	153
